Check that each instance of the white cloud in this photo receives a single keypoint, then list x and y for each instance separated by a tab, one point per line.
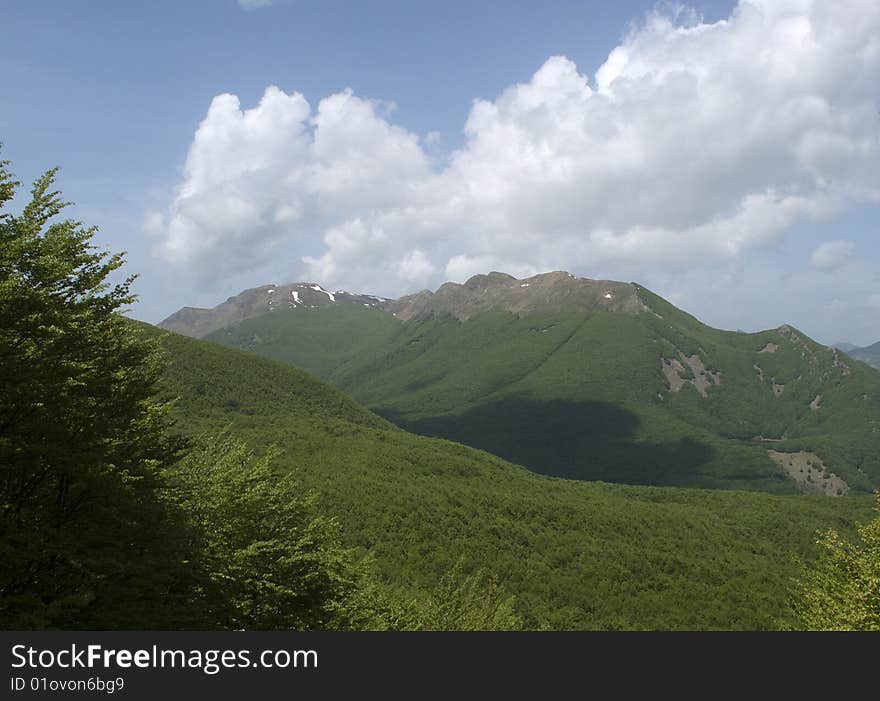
832	255
415	266
461	267
693	145
253	4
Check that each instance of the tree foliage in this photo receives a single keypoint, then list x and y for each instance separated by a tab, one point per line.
102	524
270	560
842	590
81	437
463	601
107	519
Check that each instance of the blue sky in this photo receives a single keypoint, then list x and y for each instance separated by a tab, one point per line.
115	94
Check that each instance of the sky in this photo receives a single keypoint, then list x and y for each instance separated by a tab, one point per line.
724	154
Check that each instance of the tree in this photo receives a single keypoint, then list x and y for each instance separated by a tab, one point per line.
271	560
105	521
468	602
81	437
842	590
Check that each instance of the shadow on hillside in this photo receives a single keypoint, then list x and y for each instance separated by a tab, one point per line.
586	440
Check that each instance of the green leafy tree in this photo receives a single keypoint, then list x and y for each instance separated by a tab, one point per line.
271	560
81	437
464	601
102	523
842	590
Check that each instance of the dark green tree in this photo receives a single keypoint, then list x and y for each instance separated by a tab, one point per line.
81	437
106	523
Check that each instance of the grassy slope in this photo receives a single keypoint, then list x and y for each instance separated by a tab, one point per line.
577	555
582	395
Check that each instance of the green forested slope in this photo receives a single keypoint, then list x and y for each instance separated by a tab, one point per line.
584	394
575	554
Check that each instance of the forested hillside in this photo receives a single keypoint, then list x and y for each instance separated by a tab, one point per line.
639	395
575	555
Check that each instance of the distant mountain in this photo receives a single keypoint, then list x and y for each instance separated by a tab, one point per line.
845	347
869	354
197	322
547	292
575	555
593	380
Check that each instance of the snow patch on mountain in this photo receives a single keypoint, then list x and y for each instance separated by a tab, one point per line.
318	288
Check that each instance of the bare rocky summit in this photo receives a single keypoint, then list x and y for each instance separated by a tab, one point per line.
197	322
544	292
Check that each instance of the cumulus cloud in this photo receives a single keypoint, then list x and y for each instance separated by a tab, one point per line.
832	255
415	266
692	144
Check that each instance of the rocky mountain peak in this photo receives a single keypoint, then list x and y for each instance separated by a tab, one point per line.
198	322
546	292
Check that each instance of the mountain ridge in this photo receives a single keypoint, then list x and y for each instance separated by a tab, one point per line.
543	292
556	291
552	291
198	322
